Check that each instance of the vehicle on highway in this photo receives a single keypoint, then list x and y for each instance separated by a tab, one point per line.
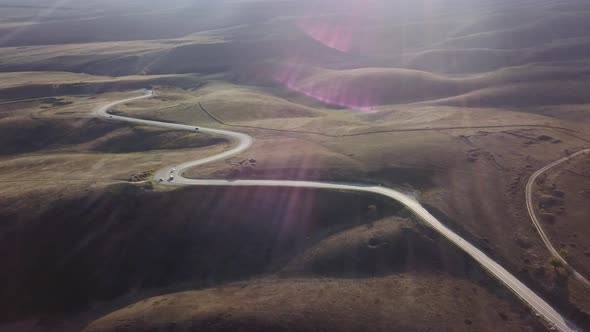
197	129
171	178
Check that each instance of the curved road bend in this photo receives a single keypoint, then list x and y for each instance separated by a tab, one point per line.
244	140
531	209
527	295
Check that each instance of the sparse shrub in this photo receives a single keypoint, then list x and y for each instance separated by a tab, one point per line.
563	253
556	263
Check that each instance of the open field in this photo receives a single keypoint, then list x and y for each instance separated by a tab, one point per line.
457	102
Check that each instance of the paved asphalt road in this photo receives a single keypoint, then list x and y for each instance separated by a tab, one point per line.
555	319
531	208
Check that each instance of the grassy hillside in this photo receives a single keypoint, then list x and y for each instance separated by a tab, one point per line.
122	246
457	102
527	94
325	304
240	103
30	85
122	228
378	86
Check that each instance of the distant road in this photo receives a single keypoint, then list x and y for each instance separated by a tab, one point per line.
244	142
531	209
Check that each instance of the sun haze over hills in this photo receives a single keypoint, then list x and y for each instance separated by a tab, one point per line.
476	109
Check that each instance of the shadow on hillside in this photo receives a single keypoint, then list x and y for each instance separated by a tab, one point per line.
127	238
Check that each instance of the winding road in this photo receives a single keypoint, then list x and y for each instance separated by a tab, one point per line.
531	209
553	318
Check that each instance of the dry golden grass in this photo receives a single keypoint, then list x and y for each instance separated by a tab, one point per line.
404	302
461	107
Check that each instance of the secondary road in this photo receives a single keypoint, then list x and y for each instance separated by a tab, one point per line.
531	209
521	290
